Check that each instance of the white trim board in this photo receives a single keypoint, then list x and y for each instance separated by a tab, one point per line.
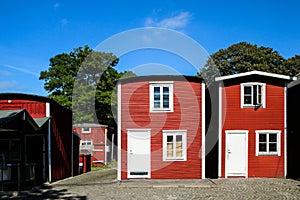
222	78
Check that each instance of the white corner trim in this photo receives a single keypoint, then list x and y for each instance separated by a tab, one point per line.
119	125
203	130
285	129
220	127
222	78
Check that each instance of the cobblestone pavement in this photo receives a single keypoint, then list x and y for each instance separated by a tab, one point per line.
103	185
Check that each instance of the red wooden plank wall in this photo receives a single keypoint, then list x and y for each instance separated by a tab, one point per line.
269	118
186	116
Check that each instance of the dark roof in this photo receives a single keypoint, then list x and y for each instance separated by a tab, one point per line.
8	116
294	83
161	78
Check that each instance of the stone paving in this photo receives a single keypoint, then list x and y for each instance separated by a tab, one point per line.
103	185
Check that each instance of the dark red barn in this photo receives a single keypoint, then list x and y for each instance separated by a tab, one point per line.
37	142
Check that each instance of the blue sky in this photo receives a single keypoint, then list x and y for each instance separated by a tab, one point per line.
34	31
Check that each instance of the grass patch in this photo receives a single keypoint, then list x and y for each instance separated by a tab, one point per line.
110	165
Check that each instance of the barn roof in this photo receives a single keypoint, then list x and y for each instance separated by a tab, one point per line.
9	120
260	73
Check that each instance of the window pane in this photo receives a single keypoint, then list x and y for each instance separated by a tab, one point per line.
156	104
247	90
262	147
247	100
165	97
255	94
272	137
156	93
170	149
178	145
262	137
272	147
169	138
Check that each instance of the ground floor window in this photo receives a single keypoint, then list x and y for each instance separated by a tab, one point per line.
174	145
268	142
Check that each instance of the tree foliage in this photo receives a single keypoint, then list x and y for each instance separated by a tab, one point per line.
84	81
244	57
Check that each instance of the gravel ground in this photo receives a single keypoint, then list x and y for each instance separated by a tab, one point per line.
103	185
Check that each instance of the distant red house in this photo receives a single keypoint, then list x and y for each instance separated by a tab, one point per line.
93	142
252	125
161	128
36	139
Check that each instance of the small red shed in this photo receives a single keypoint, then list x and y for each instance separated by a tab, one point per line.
93	142
252	125
161	128
37	132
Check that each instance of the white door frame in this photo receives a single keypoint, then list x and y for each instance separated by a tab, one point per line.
148	131
227	132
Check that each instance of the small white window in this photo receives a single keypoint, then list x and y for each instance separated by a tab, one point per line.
86	130
253	95
86	142
174	145
161	97
268	142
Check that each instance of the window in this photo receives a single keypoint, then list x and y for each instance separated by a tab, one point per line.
253	95
86	130
174	145
161	96
10	149
268	142
86	143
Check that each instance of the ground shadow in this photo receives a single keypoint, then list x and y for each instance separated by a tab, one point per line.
43	192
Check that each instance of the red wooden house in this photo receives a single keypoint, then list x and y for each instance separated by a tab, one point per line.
161	128
36	140
93	142
252	125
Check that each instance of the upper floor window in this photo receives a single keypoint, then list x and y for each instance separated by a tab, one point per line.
253	95
268	142
86	130
161	96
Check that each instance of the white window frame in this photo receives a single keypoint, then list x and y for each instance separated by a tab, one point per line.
263	95
171	96
278	133
84	131
173	133
86	141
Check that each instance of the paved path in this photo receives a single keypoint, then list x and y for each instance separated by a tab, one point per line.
103	185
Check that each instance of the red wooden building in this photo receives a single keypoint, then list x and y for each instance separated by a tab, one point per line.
161	128
93	142
36	137
252	125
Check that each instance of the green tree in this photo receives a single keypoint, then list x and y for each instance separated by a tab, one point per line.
292	65
84	81
243	57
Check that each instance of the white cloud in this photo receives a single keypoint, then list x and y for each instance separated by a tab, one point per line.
56	5
5	73
4	85
64	22
175	22
21	70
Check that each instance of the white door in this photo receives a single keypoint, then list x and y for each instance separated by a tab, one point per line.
236	153
138	147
